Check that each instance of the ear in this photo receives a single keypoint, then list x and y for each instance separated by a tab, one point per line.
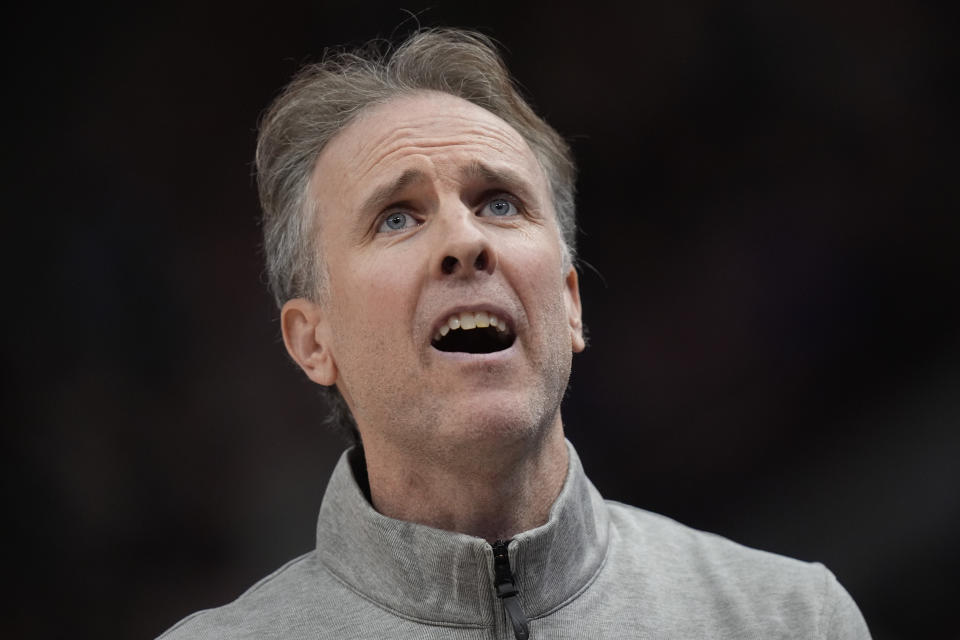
306	334
574	317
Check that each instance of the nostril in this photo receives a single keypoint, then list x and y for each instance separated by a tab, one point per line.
480	264
448	265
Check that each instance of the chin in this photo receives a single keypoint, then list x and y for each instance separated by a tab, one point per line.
498	421
454	424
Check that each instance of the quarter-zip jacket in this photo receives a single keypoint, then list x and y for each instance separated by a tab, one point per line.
596	569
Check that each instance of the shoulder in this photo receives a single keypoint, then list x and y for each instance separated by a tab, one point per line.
684	549
734	582
289	603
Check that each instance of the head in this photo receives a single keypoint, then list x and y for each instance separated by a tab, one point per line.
324	101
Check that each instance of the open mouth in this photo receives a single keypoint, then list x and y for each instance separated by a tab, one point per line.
473	332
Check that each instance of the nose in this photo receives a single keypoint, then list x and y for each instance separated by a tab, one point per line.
465	249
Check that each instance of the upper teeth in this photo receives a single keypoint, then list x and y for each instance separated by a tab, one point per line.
470	320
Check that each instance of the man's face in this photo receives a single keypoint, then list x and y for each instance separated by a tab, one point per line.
431	209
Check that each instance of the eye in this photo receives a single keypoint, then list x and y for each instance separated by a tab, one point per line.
396	221
499	208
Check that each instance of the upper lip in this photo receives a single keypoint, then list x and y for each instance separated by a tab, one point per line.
494	309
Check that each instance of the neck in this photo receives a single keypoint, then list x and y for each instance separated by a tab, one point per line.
492	492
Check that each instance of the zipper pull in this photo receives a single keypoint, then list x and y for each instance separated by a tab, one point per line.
507	590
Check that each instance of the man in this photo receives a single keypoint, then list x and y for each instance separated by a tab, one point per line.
419	230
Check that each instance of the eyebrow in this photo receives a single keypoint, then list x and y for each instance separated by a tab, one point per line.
506	177
385	194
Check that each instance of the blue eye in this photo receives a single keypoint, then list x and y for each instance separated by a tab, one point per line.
396	221
500	207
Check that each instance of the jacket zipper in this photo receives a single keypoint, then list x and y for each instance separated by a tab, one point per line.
507	590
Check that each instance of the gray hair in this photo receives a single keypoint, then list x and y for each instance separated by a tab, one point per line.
324	97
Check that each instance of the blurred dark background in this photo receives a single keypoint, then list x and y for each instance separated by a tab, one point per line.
769	213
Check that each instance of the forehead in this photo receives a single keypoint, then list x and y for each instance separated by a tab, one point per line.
432	132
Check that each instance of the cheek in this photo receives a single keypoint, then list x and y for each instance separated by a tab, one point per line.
372	302
539	271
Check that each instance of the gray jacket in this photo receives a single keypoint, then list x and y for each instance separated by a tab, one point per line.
596	569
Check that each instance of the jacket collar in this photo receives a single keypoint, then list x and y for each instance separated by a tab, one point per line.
442	577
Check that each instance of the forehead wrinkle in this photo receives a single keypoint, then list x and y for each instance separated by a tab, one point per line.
387	134
427	151
455	125
412	134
